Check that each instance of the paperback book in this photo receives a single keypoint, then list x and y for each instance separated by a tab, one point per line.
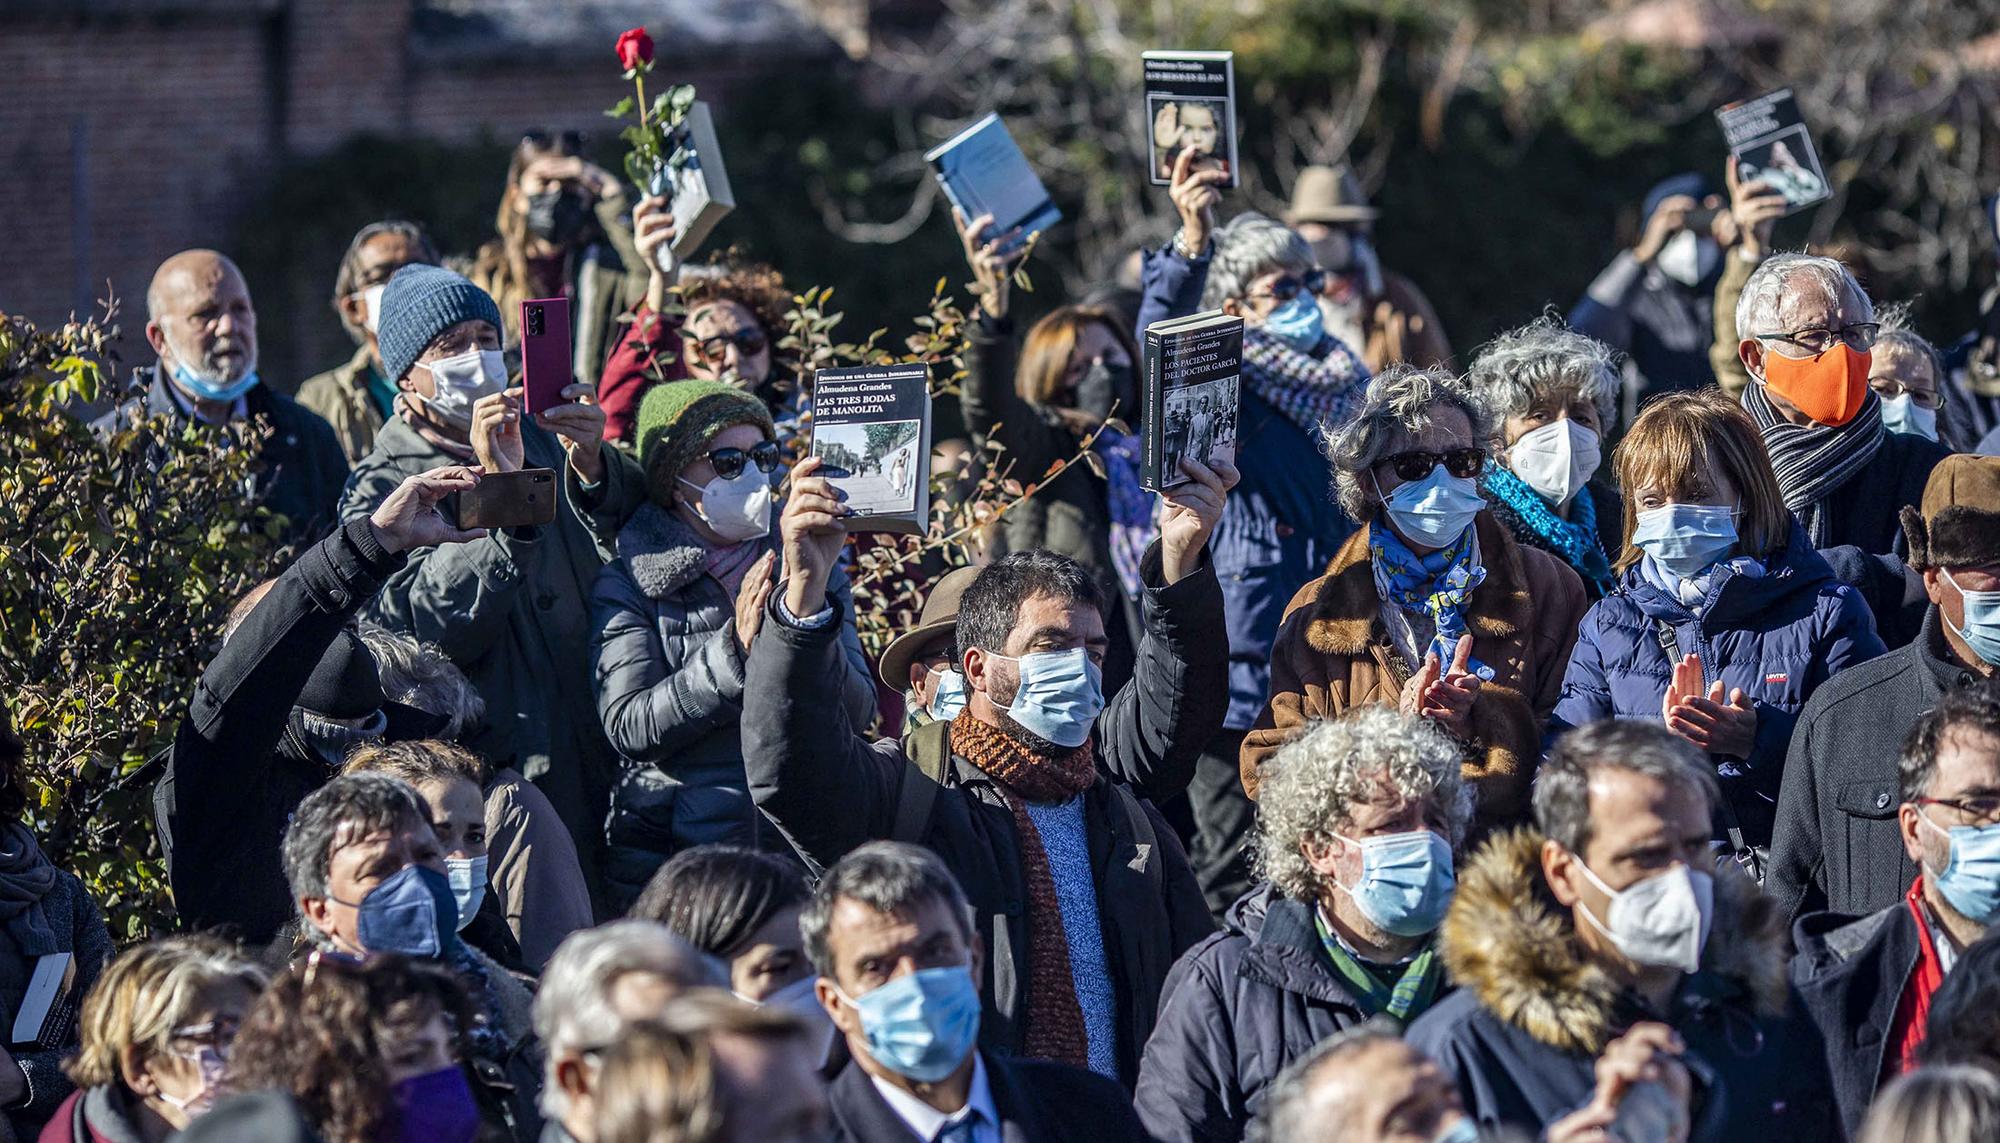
983	171
1194	366
1190	106
871	428
1768	136
695	181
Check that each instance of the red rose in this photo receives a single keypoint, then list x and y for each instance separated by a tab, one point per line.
635	49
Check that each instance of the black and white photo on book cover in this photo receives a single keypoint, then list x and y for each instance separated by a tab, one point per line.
1772	145
1200	425
1188	108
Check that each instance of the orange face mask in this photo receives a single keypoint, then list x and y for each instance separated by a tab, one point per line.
1829	388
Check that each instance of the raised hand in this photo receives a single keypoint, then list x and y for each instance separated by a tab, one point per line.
653	233
1668	217
812	527
1449	700
1190	514
409	518
1195	197
991	271
1756	207
580	424
496	431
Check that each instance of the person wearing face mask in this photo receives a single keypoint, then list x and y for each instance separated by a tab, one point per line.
898	959
1554	394
356	399
1432	607
1725	619
292	690
1835	845
715	1070
922	660
1355	837
156	1035
1907	373
1603	917
1035	795
673	618
448	779
202	328
1374	310
563	230
1654	302
382	1050
1806	331
1883	970
368	878
510	608
1281	529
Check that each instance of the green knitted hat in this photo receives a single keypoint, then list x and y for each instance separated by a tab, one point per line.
679	418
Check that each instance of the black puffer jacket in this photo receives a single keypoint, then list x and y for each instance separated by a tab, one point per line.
669	676
1238	1008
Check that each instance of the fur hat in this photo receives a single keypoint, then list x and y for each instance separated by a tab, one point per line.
679	418
1960	522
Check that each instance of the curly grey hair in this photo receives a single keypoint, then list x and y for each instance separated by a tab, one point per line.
1248	247
423	676
1308	786
1542	360
1399	404
1757	309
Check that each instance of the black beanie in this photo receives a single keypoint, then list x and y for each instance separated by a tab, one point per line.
345	684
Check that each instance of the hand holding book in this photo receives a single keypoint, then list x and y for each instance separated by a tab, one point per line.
1189	513
991	268
1196	194
812	528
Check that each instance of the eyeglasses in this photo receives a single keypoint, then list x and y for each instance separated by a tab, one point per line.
1464	463
749	342
1922	398
217	1034
567	142
728	462
1859	337
1982	810
1288	287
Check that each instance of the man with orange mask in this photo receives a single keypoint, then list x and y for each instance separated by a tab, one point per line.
1806	333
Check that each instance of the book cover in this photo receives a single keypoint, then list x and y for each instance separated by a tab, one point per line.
695	181
1768	136
982	171
1191	392
871	426
48	1009
1190	105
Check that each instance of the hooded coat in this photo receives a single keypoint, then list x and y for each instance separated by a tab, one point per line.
1777	636
1534	1009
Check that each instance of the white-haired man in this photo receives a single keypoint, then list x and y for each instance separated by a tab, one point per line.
1358	820
1806	330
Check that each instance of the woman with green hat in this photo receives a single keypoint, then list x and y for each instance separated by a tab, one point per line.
674	616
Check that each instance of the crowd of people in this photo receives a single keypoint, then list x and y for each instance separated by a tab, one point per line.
1595	736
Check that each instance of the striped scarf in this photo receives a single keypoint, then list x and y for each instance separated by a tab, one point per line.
1439	585
1315	391
1813	460
1415	987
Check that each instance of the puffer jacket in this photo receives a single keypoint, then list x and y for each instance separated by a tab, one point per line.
1778	636
669	679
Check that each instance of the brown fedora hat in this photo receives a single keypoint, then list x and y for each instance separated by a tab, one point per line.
939	617
1329	194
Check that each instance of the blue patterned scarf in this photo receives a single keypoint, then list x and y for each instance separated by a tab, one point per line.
1573	540
1439	585
1132	523
1315	391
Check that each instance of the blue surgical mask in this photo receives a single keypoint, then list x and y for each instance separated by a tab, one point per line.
948	694
1436	510
1466	1130
1298	323
1686	539
468	885
1981	629
1060	695
1971	878
214	390
1900	414
921	1025
1406	881
411	912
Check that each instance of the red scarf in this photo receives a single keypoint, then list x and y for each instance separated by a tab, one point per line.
1913	1011
1054	1017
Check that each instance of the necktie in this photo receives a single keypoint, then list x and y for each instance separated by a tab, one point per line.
960	1131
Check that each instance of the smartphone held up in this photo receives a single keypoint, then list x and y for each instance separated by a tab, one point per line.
509	500
546	353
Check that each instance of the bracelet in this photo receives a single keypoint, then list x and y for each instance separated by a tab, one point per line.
1180	246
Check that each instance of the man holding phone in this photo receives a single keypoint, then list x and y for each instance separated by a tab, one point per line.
512	609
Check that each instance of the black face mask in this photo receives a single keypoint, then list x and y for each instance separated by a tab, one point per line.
1103	384
557	215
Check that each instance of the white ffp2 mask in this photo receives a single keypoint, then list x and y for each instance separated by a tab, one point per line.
1556	460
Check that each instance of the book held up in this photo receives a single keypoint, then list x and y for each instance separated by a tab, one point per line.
871	428
1190	395
983	171
1190	106
695	182
1768	136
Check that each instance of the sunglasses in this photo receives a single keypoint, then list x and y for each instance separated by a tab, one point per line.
728	462
1464	463
1289	286
748	343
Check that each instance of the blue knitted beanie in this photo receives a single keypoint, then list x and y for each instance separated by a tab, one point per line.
421	302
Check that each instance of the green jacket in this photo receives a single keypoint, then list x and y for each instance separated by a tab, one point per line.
341	396
513	611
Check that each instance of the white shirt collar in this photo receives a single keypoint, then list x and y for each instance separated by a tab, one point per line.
926	1121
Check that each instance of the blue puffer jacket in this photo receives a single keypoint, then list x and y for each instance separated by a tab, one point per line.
1279	528
1778	636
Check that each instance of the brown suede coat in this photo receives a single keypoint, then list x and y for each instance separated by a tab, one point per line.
1334	654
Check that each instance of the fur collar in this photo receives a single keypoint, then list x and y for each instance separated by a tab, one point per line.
1508	941
1346	611
663	553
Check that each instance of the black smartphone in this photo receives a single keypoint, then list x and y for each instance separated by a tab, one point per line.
1701	219
509	500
